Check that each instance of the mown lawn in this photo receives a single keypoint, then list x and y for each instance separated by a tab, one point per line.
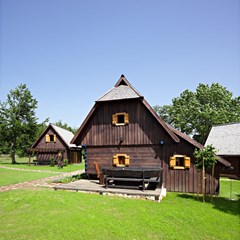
47	214
8	176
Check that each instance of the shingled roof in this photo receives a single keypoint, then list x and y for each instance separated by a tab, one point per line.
122	90
225	138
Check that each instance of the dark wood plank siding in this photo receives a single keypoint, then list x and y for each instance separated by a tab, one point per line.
141	141
144	156
142	128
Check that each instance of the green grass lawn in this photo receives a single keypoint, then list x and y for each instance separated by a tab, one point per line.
8	176
23	163
47	214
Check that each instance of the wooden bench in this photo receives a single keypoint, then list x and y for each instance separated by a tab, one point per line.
41	162
132	177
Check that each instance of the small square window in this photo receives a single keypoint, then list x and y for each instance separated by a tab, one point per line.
179	162
121	160
51	136
120	119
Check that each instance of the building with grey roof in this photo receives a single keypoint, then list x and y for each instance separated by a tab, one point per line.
226	139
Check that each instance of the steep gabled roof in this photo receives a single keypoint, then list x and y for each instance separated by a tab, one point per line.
225	138
122	90
117	93
64	134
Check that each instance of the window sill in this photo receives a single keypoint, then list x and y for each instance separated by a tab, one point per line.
120	124
178	167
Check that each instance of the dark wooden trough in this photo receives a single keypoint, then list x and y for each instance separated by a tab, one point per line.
132	177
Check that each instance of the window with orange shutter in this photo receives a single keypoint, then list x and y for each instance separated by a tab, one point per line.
121	160
179	162
120	119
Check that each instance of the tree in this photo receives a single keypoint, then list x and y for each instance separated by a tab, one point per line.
18	124
65	126
194	113
206	158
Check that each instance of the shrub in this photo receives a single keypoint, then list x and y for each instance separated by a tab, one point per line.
52	162
65	162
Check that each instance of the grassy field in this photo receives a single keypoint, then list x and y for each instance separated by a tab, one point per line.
47	214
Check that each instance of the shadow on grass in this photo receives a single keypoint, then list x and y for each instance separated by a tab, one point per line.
220	203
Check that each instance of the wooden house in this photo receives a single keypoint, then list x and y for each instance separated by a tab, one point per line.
226	139
54	143
122	130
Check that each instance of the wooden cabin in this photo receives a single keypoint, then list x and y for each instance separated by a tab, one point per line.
122	130
54	143
226	139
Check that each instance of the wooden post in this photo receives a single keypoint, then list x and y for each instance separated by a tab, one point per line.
203	180
29	160
212	181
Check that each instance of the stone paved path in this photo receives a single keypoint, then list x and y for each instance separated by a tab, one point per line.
43	182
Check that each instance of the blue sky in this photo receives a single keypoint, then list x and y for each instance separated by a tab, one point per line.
70	52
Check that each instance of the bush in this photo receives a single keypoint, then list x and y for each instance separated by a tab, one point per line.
52	162
65	162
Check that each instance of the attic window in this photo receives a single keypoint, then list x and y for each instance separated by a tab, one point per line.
51	138
179	162
120	119
121	160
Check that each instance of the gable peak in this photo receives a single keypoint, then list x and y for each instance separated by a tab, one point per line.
122	81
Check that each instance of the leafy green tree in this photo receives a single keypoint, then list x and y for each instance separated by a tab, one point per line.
206	158
65	126
163	111
41	127
18	123
194	113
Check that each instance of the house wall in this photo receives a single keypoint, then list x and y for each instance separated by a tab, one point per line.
235	162
141	141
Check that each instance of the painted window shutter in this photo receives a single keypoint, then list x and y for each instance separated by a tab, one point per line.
127	160
114	119
47	138
187	162
172	161
115	160
55	137
126	119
